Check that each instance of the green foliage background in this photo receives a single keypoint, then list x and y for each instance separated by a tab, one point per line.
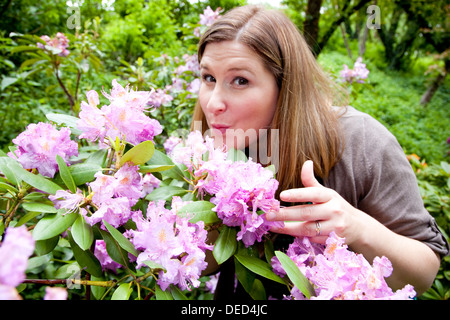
142	43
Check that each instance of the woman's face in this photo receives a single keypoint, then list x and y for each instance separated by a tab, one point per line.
238	95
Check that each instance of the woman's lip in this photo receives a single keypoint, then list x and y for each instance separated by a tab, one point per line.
221	128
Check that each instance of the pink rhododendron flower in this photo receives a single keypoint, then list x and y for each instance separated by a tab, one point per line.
337	273
359	72
57	44
39	144
67	200
123	118
241	191
17	246
55	293
149	183
172	242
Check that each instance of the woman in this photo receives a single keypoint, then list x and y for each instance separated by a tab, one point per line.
258	74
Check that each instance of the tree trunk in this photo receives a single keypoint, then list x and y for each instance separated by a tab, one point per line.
311	24
434	86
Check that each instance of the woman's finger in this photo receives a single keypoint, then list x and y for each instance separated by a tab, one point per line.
306	212
316	230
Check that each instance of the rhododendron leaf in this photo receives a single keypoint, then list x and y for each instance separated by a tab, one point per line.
82	233
165	193
123	292
139	154
15	173
84	172
53	224
39	207
65	174
155	168
236	155
43	247
295	275
252	286
200	211
159	158
64	119
114	250
258	266
5	163
85	258
177	293
225	245
121	240
162	295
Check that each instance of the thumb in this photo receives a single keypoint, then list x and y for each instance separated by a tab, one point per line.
307	175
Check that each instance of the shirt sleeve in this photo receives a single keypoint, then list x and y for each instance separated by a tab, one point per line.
379	180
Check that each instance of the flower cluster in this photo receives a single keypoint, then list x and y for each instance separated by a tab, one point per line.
168	240
207	19
124	118
241	190
340	274
39	144
112	199
190	67
16	248
359	72
57	45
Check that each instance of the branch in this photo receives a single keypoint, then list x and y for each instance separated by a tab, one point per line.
69	96
335	24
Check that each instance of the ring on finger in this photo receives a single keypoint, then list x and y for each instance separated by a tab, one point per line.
318	231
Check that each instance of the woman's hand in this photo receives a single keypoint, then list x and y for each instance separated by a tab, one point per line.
327	212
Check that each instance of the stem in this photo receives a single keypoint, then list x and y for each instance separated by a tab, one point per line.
12	210
74	281
69	96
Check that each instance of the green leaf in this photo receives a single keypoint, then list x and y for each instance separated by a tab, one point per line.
200	211
258	266
7	187
85	258
161	159
53	225
249	282
65	174
155	168
236	155
165	193
295	275
84	172
43	247
162	295
121	240
39	207
5	163
19	173
65	119
225	245
177	293
139	154
27	217
82	233
115	251
123	292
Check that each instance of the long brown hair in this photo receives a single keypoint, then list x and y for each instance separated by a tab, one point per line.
308	126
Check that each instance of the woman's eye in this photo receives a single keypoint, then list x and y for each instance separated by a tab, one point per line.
208	78
239	81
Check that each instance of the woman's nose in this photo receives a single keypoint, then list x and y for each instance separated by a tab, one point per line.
217	103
